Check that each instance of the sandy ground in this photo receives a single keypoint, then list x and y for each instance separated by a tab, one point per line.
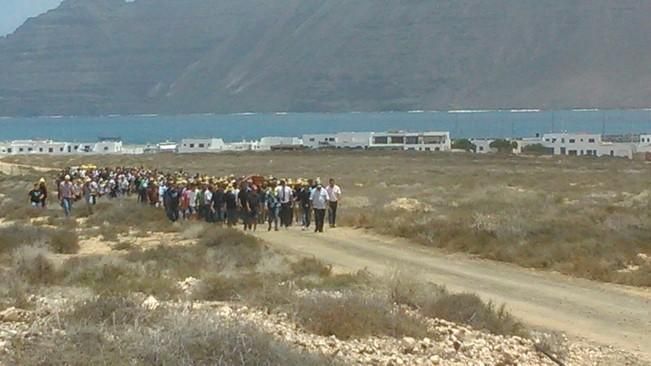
18	169
604	313
607	314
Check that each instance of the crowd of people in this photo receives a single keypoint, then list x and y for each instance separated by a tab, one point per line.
230	200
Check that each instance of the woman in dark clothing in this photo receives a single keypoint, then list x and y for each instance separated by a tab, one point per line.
42	187
253	210
231	207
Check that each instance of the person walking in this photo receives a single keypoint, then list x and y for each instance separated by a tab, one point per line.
306	206
253	209
218	200
285	196
319	200
231	207
89	191
334	195
35	196
66	195
42	186
171	200
273	209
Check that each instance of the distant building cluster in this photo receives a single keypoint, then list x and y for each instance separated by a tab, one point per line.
570	144
397	140
49	147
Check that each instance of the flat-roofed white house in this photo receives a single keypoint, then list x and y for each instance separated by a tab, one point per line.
574	144
586	144
270	142
483	146
189	146
353	140
107	147
3	148
242	146
617	149
319	141
644	144
415	141
24	147
166	146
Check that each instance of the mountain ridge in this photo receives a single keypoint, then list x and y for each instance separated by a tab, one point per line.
90	57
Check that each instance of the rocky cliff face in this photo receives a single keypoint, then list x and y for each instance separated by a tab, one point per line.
170	56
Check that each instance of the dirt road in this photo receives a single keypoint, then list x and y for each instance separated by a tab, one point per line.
603	313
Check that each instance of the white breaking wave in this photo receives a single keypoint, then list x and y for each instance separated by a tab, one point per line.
473	111
525	110
586	110
416	111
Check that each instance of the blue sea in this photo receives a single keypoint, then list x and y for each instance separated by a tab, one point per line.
236	127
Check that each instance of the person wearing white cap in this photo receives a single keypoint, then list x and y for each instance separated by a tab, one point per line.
66	195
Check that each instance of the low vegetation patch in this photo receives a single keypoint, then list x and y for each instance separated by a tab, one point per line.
61	240
116	331
436	302
355	315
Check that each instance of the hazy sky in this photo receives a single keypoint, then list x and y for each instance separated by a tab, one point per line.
13	13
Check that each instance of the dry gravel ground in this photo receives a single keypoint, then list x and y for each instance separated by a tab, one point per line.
604	313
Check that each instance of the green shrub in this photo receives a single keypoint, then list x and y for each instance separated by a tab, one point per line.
464	144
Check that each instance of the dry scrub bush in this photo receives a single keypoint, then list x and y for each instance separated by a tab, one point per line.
122	215
116	332
63	240
33	265
13	291
355	315
436	302
116	276
106	310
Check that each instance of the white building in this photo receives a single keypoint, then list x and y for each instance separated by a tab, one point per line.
134	149
319	141
3	148
25	147
242	146
49	147
353	140
617	149
189	146
483	146
644	145
166	146
106	146
415	141
574	144
585	144
268	143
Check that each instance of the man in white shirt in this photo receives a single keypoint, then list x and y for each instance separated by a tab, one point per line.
285	196
334	195
319	199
